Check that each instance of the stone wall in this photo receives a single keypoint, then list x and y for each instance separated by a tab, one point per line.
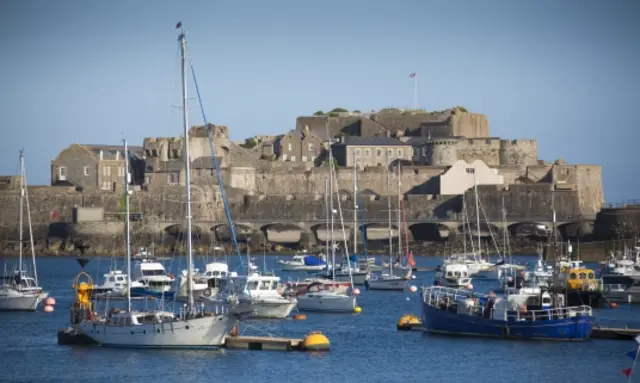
487	150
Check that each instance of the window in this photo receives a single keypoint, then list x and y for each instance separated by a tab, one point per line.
313	158
310	146
390	152
284	157
293	158
172	179
106	185
470	170
399	152
85	170
147	180
424	152
121	171
379	152
106	171
416	152
290	147
304	158
62	171
357	152
367	152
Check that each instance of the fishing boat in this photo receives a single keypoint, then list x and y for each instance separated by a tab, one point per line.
519	316
115	285
622	269
323	297
297	286
453	275
191	327
19	290
303	262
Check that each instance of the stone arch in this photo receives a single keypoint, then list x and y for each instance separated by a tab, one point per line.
223	233
485	229
529	229
379	231
281	232
429	231
368	194
322	232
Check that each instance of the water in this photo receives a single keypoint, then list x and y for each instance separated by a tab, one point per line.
366	347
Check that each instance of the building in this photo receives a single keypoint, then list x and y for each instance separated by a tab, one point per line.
97	166
462	176
298	145
370	151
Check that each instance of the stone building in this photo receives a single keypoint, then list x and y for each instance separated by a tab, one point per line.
370	151
97	166
298	145
445	151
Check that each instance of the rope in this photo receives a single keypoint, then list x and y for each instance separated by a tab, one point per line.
217	167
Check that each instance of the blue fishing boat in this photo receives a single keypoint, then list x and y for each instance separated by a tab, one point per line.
451	311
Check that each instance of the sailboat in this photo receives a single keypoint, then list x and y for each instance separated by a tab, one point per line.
19	291
191	328
322	296
388	280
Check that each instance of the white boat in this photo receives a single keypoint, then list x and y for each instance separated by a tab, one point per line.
295	287
387	281
151	278
496	272
115	285
20	292
257	294
143	253
214	273
322	297
453	275
346	275
198	285
159	329
303	262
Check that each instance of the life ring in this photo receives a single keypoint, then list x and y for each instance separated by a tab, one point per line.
207	293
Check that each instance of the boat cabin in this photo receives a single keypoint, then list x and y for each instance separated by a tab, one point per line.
115	278
455	271
117	318
254	285
152	269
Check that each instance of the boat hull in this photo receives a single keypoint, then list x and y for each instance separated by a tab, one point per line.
294	267
387	284
329	303
612	279
204	332
359	278
145	292
435	320
595	299
260	308
16	301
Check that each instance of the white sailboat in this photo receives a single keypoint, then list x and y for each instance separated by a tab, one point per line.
19	291
322	296
388	280
162	329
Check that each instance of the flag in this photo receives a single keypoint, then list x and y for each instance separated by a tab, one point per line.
626	372
412	75
179	24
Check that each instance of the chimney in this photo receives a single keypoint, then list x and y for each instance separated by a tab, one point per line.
101	155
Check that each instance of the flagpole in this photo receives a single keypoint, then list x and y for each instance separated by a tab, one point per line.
415	91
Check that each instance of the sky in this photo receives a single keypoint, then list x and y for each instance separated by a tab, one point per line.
563	72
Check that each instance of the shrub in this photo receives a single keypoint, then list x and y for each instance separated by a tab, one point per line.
249	143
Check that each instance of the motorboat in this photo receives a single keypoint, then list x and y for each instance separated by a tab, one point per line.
303	262
322	297
497	271
453	275
115	285
294	287
518	316
386	281
346	274
256	293
143	253
621	270
152	280
198	286
214	273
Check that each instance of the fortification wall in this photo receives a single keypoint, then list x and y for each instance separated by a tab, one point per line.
472	125
442	151
487	150
518	152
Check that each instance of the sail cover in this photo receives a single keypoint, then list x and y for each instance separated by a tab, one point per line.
311	260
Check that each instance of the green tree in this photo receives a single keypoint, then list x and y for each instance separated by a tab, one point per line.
339	110
461	108
357	111
249	143
319	113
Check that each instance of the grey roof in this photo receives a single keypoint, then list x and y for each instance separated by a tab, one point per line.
372	141
134	151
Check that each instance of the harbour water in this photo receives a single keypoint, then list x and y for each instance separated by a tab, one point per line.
365	347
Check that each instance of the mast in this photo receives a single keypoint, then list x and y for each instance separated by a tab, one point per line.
26	199
464	238
21	213
398	213
326	223
187	178
355	204
475	191
333	247
390	230
127	230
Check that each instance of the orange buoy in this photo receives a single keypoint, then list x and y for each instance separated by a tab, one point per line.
613	305
299	316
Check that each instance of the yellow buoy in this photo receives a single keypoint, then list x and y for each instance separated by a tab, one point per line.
357	310
299	316
316	341
407	322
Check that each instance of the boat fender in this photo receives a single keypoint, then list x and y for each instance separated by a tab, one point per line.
207	293
524	308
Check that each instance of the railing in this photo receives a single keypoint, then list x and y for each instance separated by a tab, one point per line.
438	295
622	204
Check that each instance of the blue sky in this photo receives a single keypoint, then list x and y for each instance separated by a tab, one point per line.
562	72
